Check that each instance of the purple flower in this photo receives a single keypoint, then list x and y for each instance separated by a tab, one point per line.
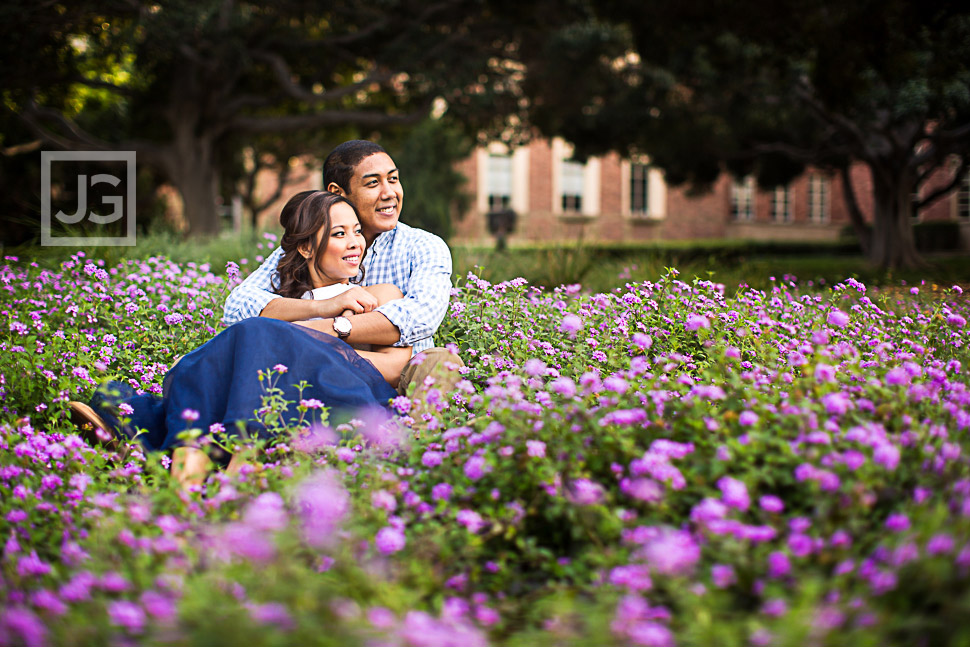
190	415
389	540
431	458
471	520
24	623
956	320
897	376
564	386
771	503
897	522
383	500
824	373
748	418
475	467
346	455
585	492
734	493
722	575
642	341
939	544
650	634
159	606
837	319
775	607
441	492
695	321
127	615
672	552
778	564
266	512
250	543
232	271
643	489
633	577
571	324
32	566
836	404
322	503
887	455
534	367
271	613
535	448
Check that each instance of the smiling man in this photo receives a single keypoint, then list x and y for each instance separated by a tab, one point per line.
416	261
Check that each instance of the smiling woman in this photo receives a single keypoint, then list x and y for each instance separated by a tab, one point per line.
221	385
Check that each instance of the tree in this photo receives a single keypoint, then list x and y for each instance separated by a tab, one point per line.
770	87
184	83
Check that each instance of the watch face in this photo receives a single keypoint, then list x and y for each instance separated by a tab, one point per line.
341	326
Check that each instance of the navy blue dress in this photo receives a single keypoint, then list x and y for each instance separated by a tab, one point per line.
220	381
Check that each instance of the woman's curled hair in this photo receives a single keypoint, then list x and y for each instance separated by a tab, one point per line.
305	214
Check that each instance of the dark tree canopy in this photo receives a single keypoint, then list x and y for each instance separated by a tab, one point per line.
769	87
186	83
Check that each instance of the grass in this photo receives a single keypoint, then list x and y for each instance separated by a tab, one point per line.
598	267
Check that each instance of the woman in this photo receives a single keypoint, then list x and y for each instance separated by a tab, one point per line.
218	385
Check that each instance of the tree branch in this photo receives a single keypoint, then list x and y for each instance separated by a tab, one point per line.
941	191
20	149
328	118
104	85
77	138
284	77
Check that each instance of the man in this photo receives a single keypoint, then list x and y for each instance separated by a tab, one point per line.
416	261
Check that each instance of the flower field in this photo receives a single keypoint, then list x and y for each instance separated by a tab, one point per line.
669	463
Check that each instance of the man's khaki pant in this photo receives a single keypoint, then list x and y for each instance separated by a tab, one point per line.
435	368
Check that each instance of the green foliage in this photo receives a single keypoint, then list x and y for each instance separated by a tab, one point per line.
436	193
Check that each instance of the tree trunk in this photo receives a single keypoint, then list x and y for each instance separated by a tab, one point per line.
893	245
192	169
859	226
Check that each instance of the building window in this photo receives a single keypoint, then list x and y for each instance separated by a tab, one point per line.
639	190
963	198
781	204
572	187
742	199
499	182
818	199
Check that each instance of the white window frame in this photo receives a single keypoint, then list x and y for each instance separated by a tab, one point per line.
819	198
742	199
781	204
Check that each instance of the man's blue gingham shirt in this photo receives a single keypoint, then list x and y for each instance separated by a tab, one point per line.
416	261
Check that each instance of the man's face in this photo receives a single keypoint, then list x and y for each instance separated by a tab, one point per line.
376	192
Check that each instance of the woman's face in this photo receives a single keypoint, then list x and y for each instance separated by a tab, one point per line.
342	248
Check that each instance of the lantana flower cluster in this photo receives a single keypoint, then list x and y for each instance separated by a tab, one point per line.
668	463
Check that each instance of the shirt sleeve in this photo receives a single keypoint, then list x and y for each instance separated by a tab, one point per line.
252	295
418	315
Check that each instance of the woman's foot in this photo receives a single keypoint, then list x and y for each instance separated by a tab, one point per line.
190	466
91	427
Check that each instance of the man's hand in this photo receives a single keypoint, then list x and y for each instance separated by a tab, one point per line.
356	299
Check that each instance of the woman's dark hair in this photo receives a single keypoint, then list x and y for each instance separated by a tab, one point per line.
344	159
302	217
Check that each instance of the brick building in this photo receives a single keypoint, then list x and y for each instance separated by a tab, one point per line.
613	199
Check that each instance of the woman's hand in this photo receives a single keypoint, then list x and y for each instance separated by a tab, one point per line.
356	299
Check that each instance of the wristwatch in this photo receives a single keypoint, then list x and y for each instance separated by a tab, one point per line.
342	326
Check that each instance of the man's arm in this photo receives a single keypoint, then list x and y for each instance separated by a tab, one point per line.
368	328
249	298
418	315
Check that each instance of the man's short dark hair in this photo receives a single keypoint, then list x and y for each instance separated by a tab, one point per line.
343	160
